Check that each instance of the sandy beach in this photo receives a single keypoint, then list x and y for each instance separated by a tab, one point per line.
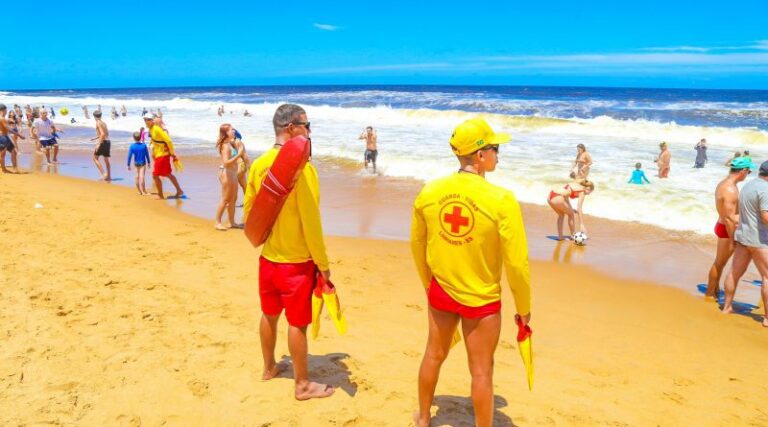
121	310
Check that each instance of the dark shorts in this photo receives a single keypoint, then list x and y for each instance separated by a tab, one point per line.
103	149
6	143
139	165
288	287
45	143
370	155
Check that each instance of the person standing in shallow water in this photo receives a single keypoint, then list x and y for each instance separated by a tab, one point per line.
664	160
582	163
229	156
701	154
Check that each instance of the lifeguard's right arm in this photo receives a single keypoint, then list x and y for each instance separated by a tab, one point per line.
419	245
515	253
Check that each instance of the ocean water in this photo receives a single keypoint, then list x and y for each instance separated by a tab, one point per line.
619	127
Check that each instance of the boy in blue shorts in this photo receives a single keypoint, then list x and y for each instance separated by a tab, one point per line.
141	160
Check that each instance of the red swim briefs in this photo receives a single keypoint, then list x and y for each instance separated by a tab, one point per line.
287	286
440	300
721	231
162	166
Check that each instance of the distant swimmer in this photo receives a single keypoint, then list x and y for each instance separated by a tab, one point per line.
123	111
750	239
143	111
220	111
6	144
85	112
163	152
19	115
113	113
701	154
371	151
736	155
727	204
44	131
290	258
664	160
53	113
583	162
229	156
464	231
638	176
560	201
247	114
747	155
103	147
141	161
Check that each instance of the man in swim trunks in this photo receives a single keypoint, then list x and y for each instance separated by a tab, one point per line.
43	130
371	152
291	257
103	147
727	204
663	162
6	144
750	239
464	229
163	153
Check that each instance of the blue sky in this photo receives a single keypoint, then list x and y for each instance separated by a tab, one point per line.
703	44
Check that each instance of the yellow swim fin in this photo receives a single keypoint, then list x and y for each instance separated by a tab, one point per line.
524	334
317	309
178	165
334	310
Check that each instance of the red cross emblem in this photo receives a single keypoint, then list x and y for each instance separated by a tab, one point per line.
457	219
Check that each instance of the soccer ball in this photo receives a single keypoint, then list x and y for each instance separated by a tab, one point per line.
64	111
580	238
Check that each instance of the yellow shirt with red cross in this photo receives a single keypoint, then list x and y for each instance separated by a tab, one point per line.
464	228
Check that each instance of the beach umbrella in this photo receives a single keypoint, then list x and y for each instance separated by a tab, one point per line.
325	294
524	333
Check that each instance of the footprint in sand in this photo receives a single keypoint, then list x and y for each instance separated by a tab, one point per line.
198	388
128	420
414	307
682	382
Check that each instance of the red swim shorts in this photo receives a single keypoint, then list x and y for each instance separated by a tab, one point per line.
440	300
287	286
721	231
162	166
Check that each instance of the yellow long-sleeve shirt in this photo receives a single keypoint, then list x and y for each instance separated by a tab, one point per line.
161	142
463	229
297	235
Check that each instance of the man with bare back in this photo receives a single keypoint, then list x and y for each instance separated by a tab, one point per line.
103	147
727	203
5	141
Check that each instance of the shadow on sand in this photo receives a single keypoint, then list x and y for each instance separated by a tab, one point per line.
456	411
328	369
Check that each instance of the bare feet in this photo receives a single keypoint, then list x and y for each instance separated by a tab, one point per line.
727	310
159	197
313	390
221	227
765	322
272	372
418	421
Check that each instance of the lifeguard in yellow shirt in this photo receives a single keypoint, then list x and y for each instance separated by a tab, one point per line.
290	258
464	229
162	152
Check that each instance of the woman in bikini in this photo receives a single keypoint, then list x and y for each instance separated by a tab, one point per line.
582	163
560	201
227	175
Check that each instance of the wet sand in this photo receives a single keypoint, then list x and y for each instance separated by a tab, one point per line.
120	310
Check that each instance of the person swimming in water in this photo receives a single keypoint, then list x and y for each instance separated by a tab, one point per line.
638	176
560	201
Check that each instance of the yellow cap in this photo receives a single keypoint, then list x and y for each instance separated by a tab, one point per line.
474	134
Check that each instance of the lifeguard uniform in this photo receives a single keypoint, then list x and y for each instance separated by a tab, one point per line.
294	250
464	228
162	151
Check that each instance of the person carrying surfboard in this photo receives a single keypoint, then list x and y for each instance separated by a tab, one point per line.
291	256
464	228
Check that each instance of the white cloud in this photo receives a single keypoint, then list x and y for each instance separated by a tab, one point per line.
678	49
326	27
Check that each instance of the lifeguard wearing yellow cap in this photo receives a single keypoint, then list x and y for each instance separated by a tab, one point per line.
473	135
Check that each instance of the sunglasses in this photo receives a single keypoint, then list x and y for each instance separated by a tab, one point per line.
305	124
493	147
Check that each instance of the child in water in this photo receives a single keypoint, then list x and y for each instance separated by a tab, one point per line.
638	176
